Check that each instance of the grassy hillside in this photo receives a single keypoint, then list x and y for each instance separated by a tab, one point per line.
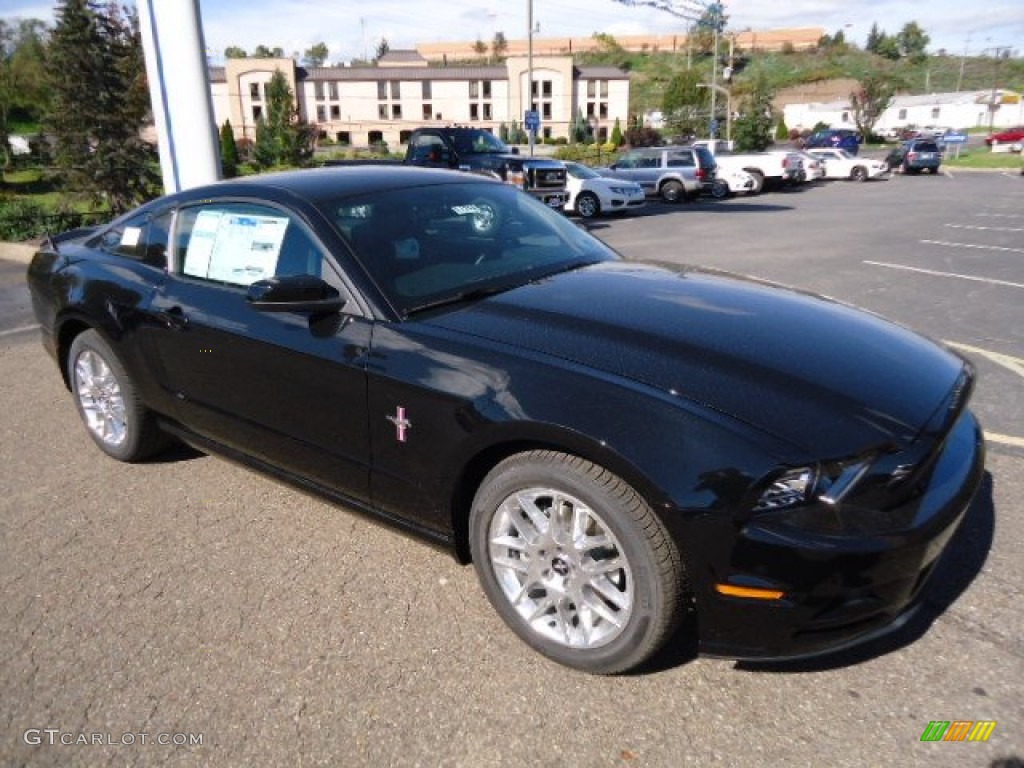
652	71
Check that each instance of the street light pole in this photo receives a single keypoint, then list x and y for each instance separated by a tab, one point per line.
529	66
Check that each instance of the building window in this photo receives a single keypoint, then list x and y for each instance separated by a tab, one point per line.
396	111
344	137
602	133
591	89
396	93
603	111
257	114
254	91
332	90
474	89
321	114
604	89
375	137
382	111
545	110
404	136
546	89
318	90
474	111
486	84
590	109
335	112
428	110
487	111
427	95
382	90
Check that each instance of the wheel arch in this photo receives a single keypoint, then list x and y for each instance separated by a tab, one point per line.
512	439
69	328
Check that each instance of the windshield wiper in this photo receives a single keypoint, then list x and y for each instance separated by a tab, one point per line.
459	298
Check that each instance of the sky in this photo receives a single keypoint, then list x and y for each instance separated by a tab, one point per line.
352	29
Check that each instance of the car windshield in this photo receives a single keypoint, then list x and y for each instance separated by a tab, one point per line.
578	171
432	245
477	142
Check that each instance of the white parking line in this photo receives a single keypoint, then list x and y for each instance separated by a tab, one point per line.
985	229
1000	215
1011	363
944	274
973	246
22	329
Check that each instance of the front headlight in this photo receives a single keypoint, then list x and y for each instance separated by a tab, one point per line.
620	190
829	483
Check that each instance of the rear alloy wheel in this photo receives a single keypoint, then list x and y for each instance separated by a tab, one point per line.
720	190
672	191
859	173
113	414
587	205
575	562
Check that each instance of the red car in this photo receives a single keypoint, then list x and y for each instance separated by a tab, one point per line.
1009	136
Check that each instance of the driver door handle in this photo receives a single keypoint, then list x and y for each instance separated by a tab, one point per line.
174	318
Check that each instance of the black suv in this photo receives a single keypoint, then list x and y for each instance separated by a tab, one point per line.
915	156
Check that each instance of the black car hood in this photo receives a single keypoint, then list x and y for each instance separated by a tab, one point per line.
825	377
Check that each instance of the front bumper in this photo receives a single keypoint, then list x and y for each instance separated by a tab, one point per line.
839	590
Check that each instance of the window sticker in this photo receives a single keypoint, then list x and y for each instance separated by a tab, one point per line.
234	248
130	237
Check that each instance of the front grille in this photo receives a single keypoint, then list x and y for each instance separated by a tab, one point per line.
547	178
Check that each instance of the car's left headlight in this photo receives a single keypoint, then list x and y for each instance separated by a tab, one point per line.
810	498
620	190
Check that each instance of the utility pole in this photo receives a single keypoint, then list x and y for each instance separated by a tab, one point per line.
997	53
529	65
963	59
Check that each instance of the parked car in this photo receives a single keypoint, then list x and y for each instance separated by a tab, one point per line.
840	164
835	138
591	194
1009	136
732	182
449	355
672	173
915	156
813	168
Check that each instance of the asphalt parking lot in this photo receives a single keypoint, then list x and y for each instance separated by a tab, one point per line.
189	612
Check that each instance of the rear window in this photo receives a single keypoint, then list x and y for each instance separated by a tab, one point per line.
926	146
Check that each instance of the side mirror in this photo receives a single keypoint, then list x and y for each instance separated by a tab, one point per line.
302	294
515	150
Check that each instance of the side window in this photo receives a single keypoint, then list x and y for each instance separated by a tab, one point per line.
650	161
140	238
681	160
429	148
240	243
628	160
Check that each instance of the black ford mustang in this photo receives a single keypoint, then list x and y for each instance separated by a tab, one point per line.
611	443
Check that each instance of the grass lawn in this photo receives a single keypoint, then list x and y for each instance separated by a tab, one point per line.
983	158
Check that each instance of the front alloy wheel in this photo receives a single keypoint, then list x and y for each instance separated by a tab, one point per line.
575	562
587	205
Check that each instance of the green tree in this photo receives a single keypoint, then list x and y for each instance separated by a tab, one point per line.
874	38
579	129
263	52
315	55
234	52
228	151
382	49
99	104
480	47
873	96
617	137
23	92
282	137
684	105
499	45
752	130
912	41
888	47
781	130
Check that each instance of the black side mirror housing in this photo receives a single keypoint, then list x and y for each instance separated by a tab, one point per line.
302	294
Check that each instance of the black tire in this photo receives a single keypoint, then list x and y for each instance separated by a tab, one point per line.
859	173
720	190
534	571
758	180
672	191
587	205
108	403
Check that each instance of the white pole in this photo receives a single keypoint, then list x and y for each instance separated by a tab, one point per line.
179	88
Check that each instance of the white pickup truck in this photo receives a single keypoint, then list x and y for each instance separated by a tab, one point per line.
770	168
